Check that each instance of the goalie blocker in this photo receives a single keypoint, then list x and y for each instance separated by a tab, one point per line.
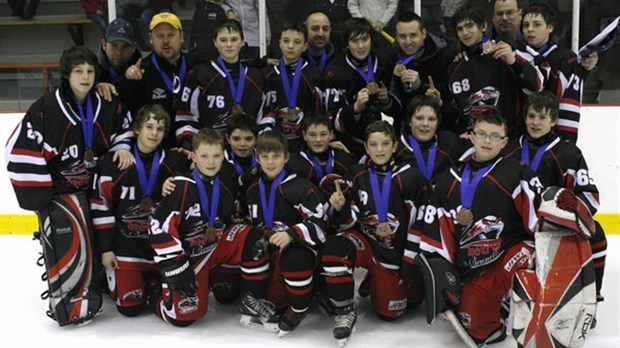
70	263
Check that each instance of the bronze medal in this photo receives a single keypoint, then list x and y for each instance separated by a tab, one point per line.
465	217
146	204
373	87
237	109
399	69
292	115
89	156
383	229
210	234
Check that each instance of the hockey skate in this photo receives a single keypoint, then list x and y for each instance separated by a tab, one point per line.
345	320
289	321
258	313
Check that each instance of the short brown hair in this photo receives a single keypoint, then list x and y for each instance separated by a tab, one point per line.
271	141
207	136
380	126
542	101
154	111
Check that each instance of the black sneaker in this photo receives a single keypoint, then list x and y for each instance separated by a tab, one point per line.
258	313
290	320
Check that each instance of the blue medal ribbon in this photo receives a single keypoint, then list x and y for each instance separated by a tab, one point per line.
318	169
468	186
291	91
525	155
208	209
113	74
425	167
166	78
381	197
407	59
269	203
147	184
238	167
320	64
88	120
235	91
369	74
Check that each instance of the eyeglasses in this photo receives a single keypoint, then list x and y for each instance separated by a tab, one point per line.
509	13
492	136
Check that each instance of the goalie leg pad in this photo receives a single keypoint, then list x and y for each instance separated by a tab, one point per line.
554	305
67	241
442	285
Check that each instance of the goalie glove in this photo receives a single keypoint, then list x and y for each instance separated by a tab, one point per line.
561	209
179	275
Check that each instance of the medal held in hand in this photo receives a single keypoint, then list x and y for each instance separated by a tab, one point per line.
89	156
237	109
146	204
383	229
399	69
373	88
465	217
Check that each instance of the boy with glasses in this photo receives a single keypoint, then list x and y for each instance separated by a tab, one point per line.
480	221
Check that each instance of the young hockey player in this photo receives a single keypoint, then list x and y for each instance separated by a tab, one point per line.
559	163
51	159
242	133
290	215
558	69
424	146
224	87
482	81
317	158
480	221
122	207
375	224
356	87
292	87
192	232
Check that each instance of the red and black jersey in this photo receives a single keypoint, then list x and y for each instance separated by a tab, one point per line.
408	193
180	226
300	209
562	164
481	82
276	113
342	83
504	213
336	160
120	221
559	72
448	149
45	153
207	100
153	88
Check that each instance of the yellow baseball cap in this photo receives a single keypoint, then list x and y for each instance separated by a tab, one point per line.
166	17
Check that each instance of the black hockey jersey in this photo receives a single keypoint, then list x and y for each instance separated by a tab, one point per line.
208	101
481	82
180	226
156	88
277	113
562	164
504	213
448	148
342	82
120	221
559	73
45	152
408	193
299	209
314	166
